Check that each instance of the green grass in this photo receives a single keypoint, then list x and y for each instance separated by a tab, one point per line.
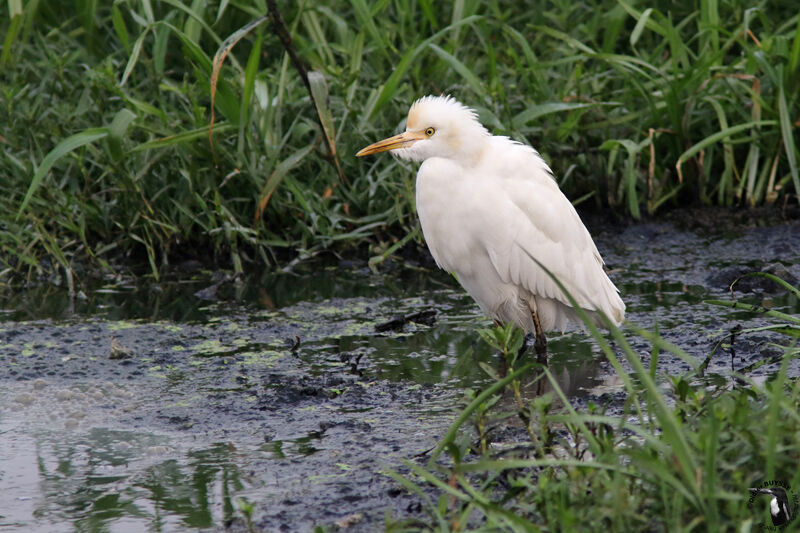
106	154
678	457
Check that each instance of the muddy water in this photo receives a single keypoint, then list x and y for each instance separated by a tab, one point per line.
275	400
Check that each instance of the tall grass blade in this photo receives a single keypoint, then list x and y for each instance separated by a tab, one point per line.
134	56
159	53
466	413
320	97
471	79
17	18
277	176
415	489
216	64
120	28
565	37
726	180
716	137
772	277
223	5
498	465
196	18
754	154
400	70
116	131
709	22
181	138
788	140
755	309
587	433
540	110
513	521
640	25
777	397
794	56
650	23
147	7
365	18
251	70
63	148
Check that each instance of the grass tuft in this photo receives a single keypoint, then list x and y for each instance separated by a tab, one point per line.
679	453
106	110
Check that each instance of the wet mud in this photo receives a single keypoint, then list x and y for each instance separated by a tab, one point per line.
281	401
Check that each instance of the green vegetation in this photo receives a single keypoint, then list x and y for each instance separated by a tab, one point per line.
108	158
105	111
676	458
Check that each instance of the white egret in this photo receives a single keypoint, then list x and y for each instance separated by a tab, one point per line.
487	206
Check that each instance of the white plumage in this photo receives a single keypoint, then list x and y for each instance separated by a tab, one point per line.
486	205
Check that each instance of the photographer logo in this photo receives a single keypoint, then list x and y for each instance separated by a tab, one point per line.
783	504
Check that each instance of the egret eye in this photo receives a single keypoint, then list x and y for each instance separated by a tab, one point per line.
429	131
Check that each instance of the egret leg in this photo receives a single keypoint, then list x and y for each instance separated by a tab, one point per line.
527	342
540	344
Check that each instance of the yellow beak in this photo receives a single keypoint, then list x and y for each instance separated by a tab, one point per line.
404	140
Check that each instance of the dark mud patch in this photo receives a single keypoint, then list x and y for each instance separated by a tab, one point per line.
278	392
307	445
666	274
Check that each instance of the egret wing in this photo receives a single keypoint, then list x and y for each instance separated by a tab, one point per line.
543	224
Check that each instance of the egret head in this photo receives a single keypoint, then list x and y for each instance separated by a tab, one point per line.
437	126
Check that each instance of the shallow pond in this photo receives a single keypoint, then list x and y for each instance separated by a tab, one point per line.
277	398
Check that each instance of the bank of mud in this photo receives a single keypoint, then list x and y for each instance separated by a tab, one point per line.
278	392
